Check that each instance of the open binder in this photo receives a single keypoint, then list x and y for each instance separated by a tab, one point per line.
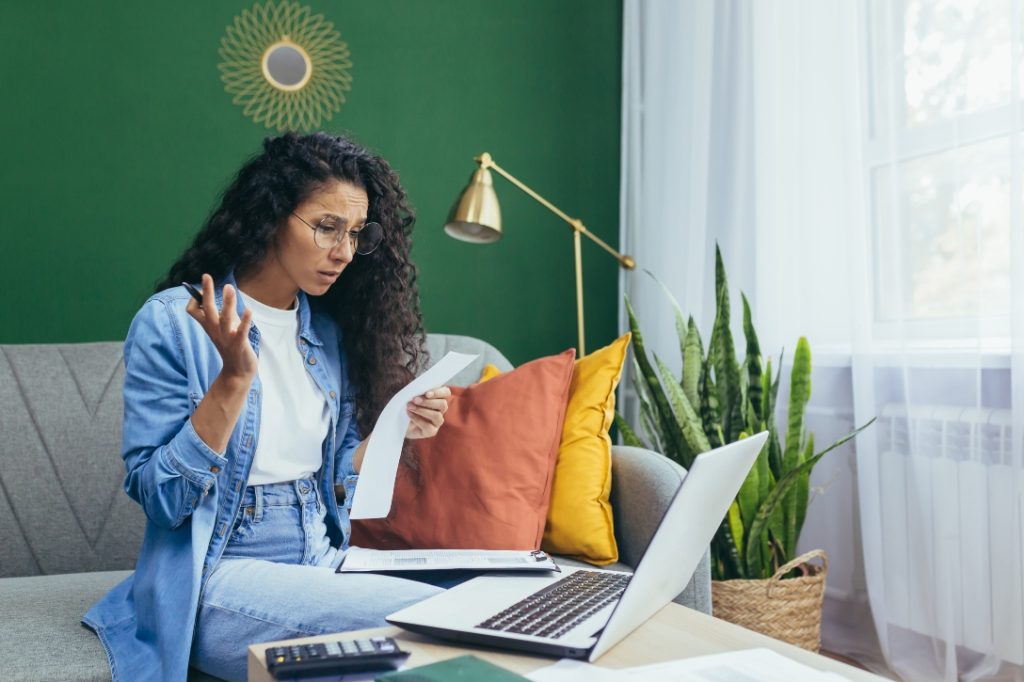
361	560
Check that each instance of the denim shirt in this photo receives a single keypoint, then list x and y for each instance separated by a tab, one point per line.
190	493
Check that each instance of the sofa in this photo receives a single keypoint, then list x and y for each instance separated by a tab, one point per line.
69	532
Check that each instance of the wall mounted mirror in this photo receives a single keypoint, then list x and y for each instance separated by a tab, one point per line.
285	66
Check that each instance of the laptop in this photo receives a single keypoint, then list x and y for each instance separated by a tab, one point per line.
582	612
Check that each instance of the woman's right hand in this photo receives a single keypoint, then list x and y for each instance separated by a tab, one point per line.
229	333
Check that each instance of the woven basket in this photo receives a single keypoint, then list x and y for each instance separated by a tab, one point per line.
789	610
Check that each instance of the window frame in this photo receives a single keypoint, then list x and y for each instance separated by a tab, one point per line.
886	148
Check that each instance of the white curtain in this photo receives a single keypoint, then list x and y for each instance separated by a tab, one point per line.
859	162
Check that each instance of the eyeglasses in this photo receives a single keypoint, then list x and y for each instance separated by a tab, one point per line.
329	232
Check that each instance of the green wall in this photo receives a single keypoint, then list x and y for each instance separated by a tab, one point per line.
118	138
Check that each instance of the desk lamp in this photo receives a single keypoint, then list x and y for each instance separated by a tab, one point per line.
476	217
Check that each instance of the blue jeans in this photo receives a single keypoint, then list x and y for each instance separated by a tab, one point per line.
276	580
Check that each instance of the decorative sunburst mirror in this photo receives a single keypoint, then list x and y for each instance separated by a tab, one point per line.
285	66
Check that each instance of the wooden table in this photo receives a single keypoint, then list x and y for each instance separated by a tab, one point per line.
674	632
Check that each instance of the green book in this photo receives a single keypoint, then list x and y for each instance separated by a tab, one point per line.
461	669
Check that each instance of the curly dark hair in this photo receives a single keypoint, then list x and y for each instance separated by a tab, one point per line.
375	301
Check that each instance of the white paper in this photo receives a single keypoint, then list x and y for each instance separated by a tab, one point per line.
750	665
569	670
376	485
362	559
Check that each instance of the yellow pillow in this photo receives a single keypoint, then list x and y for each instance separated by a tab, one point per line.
579	523
490	371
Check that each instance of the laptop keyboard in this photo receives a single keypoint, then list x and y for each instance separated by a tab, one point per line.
561	606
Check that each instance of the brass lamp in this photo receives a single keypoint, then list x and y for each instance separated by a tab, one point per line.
476	217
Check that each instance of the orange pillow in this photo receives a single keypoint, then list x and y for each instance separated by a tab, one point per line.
484	481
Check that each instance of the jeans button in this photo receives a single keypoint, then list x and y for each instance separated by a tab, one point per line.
303	489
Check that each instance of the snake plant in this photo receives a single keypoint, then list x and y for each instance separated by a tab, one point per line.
720	398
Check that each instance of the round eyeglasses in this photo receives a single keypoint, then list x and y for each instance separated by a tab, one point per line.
329	232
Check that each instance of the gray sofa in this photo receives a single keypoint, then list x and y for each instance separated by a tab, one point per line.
69	533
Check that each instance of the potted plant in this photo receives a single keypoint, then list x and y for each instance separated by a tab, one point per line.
758	582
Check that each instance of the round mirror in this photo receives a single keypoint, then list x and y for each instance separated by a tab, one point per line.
286	66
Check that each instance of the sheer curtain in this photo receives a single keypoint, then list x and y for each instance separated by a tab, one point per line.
860	163
687	177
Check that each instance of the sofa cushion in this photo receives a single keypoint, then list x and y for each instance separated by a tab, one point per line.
62	503
47	641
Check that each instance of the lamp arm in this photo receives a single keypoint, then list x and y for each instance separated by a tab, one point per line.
576	224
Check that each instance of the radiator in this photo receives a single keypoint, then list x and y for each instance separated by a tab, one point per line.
952	524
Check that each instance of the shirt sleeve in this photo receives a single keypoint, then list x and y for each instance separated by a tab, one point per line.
169	469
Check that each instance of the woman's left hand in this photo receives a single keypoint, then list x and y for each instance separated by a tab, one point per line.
426	412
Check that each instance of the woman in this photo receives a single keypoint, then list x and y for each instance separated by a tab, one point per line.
243	414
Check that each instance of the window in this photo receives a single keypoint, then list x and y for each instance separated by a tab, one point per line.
942	164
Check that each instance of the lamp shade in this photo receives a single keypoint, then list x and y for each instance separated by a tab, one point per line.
475	215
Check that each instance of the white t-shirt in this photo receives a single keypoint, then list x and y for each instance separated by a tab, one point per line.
295	416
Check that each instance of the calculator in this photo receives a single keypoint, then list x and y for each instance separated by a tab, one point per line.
335	658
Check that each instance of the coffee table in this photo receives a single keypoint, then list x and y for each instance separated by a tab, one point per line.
674	632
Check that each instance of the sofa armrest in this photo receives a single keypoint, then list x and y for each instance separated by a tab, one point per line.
643	484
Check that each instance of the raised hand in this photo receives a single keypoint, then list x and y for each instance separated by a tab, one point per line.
229	333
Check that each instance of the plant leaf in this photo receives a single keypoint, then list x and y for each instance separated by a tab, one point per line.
792	455
803	488
647	416
777	521
775	451
753	361
773	542
736	526
778	379
642	391
765	480
672	437
727	371
709	403
724	546
693	363
799	395
651	431
681	329
629	436
747	503
767	396
647	413
684	414
784	486
776	551
791	505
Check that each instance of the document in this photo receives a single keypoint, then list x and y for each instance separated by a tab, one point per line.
376	486
360	560
570	670
749	665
